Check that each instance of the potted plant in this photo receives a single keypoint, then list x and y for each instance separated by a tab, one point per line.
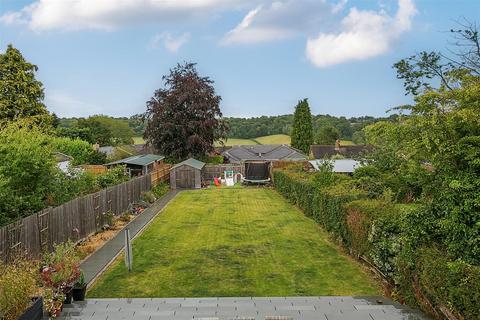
80	288
18	288
61	271
54	302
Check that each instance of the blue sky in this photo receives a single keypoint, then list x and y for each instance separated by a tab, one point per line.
108	56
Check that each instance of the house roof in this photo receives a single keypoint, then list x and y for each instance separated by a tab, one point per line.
339	166
324	151
268	152
140	160
108	150
191	163
61	157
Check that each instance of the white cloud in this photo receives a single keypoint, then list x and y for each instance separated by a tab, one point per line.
66	105
365	34
170	42
279	20
111	14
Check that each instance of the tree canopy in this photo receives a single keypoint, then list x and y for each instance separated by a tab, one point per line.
21	94
100	129
302	129
327	135
184	118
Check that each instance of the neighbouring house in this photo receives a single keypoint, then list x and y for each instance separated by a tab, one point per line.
347	166
187	174
328	151
257	159
63	161
140	164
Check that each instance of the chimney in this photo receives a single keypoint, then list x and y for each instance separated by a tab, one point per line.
337	145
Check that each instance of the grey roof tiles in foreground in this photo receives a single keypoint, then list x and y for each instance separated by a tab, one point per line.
255	308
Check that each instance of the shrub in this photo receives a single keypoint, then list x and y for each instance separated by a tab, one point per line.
360	217
148	197
160	189
391	236
452	284
18	284
112	177
323	203
60	268
218	159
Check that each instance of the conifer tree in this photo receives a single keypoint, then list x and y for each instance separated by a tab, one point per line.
302	130
21	95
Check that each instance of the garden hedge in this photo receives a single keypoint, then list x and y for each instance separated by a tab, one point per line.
395	238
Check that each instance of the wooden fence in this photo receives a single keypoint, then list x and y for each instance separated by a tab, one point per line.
211	171
161	174
95	169
73	220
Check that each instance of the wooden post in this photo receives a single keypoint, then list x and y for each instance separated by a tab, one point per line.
128	250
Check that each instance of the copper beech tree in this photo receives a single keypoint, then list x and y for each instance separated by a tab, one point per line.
184	118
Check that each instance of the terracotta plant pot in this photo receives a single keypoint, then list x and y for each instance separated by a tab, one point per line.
35	311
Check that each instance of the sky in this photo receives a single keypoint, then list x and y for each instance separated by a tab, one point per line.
109	56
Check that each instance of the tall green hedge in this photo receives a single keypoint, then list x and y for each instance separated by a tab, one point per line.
393	237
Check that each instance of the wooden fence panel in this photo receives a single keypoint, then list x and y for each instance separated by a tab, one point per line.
31	235
73	220
211	171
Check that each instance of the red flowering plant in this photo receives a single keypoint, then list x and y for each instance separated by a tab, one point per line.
60	269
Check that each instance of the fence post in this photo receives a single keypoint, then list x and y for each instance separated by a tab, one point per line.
128	250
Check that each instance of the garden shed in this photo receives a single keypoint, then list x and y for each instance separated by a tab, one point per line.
187	174
140	164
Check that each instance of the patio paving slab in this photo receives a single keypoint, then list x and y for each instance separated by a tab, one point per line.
349	308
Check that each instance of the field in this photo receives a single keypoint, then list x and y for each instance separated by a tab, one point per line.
274	139
346	143
233	242
235	141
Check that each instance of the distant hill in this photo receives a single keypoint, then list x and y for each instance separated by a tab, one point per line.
264	129
251	128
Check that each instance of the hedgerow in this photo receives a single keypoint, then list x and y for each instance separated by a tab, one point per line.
398	239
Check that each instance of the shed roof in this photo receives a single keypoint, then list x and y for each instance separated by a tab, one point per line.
191	163
140	160
267	152
339	166
61	157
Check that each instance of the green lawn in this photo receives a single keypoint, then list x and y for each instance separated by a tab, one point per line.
274	139
233	242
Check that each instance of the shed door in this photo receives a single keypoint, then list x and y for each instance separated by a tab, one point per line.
185	177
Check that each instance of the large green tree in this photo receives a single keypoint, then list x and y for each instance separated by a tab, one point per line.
431	154
327	135
21	95
184	117
302	129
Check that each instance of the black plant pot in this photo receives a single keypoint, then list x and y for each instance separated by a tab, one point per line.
68	295
35	312
78	292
